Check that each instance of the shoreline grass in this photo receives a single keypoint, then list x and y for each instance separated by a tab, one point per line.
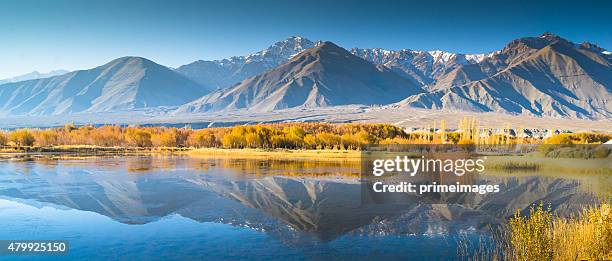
323	154
90	150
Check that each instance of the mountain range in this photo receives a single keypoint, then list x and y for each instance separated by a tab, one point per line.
33	75
544	75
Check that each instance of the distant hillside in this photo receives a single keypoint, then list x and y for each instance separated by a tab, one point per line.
33	75
122	84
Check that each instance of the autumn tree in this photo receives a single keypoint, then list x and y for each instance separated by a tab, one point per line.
138	138
165	138
253	140
234	140
46	138
453	137
329	140
310	141
81	136
22	137
202	138
3	138
107	136
279	141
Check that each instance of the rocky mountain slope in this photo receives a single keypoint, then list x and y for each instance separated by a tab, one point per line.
543	76
326	75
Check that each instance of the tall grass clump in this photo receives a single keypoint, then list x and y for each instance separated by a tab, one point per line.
531	237
515	165
586	238
540	235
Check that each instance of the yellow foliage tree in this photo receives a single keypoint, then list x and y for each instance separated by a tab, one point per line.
46	138
22	137
3	139
234	140
164	139
138	138
203	138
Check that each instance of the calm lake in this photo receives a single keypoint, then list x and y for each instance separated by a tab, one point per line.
182	208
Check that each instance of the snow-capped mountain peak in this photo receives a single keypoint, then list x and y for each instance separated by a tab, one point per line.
476	57
227	72
422	67
441	56
281	51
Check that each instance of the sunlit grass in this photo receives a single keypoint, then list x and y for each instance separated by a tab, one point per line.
321	155
531	237
540	235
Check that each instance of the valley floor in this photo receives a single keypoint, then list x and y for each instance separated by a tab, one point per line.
404	117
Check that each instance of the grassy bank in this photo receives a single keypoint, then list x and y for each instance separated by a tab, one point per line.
88	150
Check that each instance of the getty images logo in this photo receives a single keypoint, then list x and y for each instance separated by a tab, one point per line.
412	166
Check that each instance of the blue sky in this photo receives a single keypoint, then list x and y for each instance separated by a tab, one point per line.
54	34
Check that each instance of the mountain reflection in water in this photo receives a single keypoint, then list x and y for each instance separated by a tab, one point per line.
294	202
